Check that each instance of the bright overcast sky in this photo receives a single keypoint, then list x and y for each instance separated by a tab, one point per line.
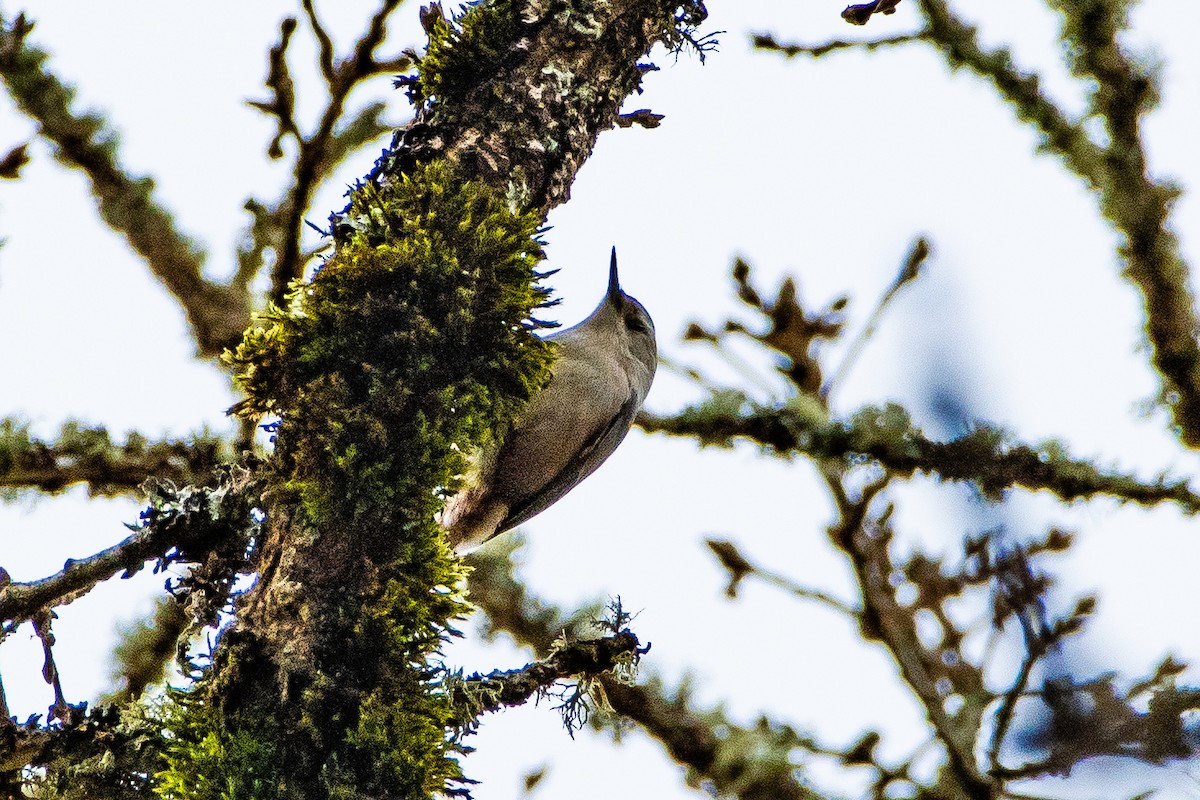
823	170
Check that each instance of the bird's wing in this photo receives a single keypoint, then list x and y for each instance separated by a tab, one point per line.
598	447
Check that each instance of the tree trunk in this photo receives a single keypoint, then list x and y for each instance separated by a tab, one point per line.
410	345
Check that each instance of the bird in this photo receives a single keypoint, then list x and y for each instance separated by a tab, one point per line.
602	371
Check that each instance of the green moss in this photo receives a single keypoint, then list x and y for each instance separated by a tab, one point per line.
205	763
414	337
464	50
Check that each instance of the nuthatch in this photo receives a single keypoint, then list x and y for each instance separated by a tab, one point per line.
601	374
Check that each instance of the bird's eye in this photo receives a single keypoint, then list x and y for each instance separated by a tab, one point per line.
635	323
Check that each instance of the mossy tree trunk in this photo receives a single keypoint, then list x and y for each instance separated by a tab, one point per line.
413	337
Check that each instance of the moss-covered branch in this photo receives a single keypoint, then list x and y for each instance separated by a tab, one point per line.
985	456
218	314
105	753
209	527
115	751
585	659
1121	88
88	454
752	763
517	93
1137	205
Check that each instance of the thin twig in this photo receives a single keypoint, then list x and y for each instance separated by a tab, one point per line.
740	567
807	593
326	43
312	162
1007	707
910	270
41	628
765	41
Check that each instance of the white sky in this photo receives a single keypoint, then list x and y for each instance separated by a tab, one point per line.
823	170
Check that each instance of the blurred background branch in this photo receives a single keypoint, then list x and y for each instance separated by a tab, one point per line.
87	454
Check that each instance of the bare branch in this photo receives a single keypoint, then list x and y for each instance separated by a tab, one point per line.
1019	593
864	537
269	224
282	105
767	42
739	568
326	43
321	150
643	117
42	621
910	269
12	162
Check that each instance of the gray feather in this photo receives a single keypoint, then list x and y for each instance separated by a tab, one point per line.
598	448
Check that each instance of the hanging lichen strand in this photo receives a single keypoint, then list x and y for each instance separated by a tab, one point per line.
415	337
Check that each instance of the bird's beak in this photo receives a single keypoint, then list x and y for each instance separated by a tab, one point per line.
614	284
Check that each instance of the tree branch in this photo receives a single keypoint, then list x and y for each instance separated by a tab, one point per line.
740	568
557	99
1137	206
218	314
984	456
587	659
864	539
89	455
749	763
319	151
768	43
411	344
108	752
186	525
